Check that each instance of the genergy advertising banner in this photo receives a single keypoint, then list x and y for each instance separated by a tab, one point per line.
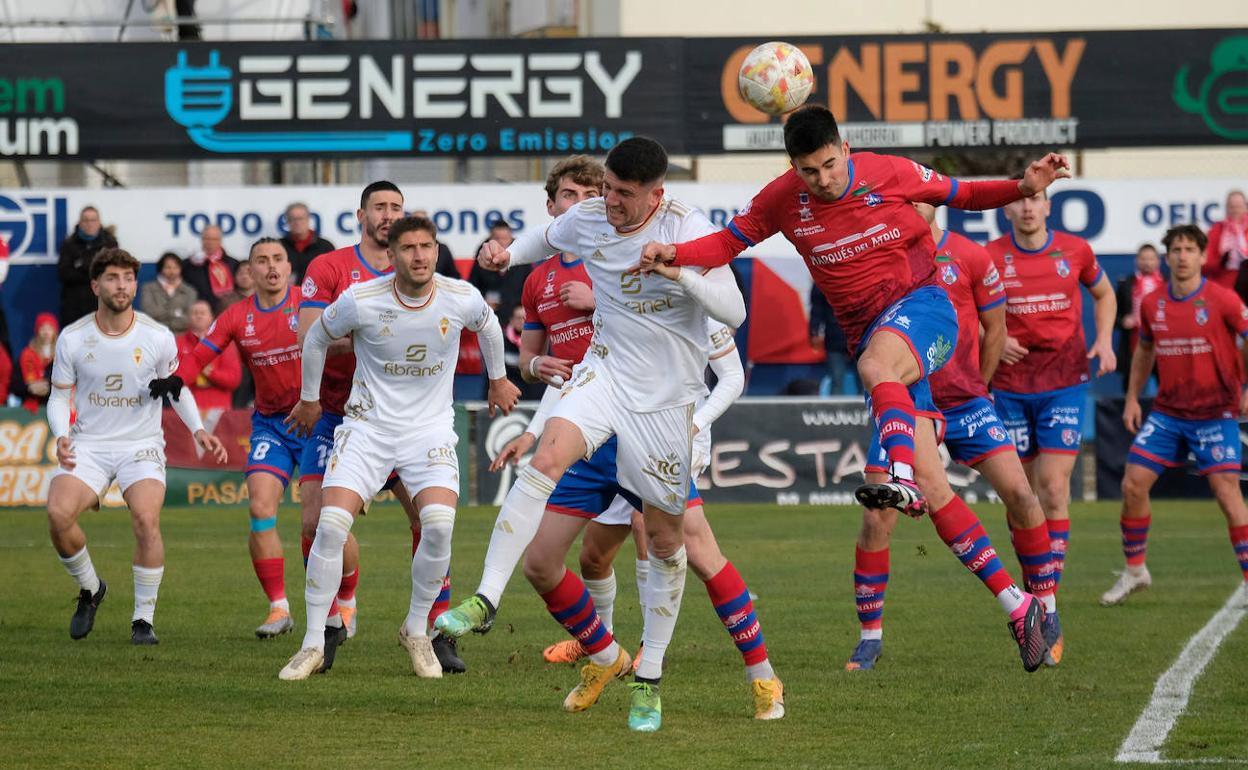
1115	216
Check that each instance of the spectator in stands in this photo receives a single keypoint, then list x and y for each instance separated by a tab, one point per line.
826	333
36	361
302	243
1146	279
501	290
244	285
529	391
168	298
74	266
214	387
1228	242
446	261
210	271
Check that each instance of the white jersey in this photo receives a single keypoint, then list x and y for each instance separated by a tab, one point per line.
405	355
110	374
648	335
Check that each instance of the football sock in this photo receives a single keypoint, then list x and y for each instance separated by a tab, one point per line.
643	570
870	582
1135	539
443	601
1059	538
665	585
429	565
514	529
81	569
603	593
272	576
1239	541
960	529
893	410
731	599
1035	557
146	586
346	589
571	605
324	571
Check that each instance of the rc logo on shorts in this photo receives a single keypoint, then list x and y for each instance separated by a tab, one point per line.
666	469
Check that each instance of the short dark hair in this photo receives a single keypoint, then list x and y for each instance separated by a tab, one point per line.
1145	246
638	159
168	255
1189	231
810	128
107	258
409	224
583	169
500	224
381	185
266	239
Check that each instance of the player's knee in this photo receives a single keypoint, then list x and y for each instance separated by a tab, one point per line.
541	570
60	515
877	528
146	528
437	522
665	544
333	528
595	563
1019	499
1054	493
871	371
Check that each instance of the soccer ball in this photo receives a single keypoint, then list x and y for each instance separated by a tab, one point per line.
776	78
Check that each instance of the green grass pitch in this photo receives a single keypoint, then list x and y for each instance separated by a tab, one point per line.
949	692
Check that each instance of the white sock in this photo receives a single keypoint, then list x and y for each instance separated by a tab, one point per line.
1050	603
324	571
1011	599
643	569
760	671
80	568
429	565
665	585
871	633
514	529
603	594
280	604
146	586
903	471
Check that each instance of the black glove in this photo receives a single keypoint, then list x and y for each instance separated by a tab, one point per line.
166	388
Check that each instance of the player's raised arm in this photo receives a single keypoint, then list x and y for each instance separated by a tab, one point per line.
923	185
533	245
749	227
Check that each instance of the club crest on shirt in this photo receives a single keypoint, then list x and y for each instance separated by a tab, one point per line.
1063	267
293	322
444	324
803	199
1202	315
355	275
137	355
948	274
873	199
309	287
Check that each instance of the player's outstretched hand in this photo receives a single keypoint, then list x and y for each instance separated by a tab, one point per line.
653	253
165	387
493	256
1013	352
515	449
211	445
503	396
65	453
1131	415
1044	172
1103	351
577	295
303	418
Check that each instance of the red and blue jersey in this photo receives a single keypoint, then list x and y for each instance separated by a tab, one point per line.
268	341
1044	311
966	272
866	249
327	278
1199	370
567	330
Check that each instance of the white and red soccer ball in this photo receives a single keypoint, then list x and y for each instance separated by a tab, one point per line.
776	78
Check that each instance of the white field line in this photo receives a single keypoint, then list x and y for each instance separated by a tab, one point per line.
1174	688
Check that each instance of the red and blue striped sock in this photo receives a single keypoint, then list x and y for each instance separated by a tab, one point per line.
443	602
1239	541
959	527
1135	539
732	603
570	604
893	410
870	581
1059	538
1035	556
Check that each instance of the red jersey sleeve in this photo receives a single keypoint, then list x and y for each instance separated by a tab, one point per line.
920	184
1235	313
528	297
320	284
1089	269
987	288
1145	331
752	225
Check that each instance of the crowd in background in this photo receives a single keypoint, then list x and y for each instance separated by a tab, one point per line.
188	293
